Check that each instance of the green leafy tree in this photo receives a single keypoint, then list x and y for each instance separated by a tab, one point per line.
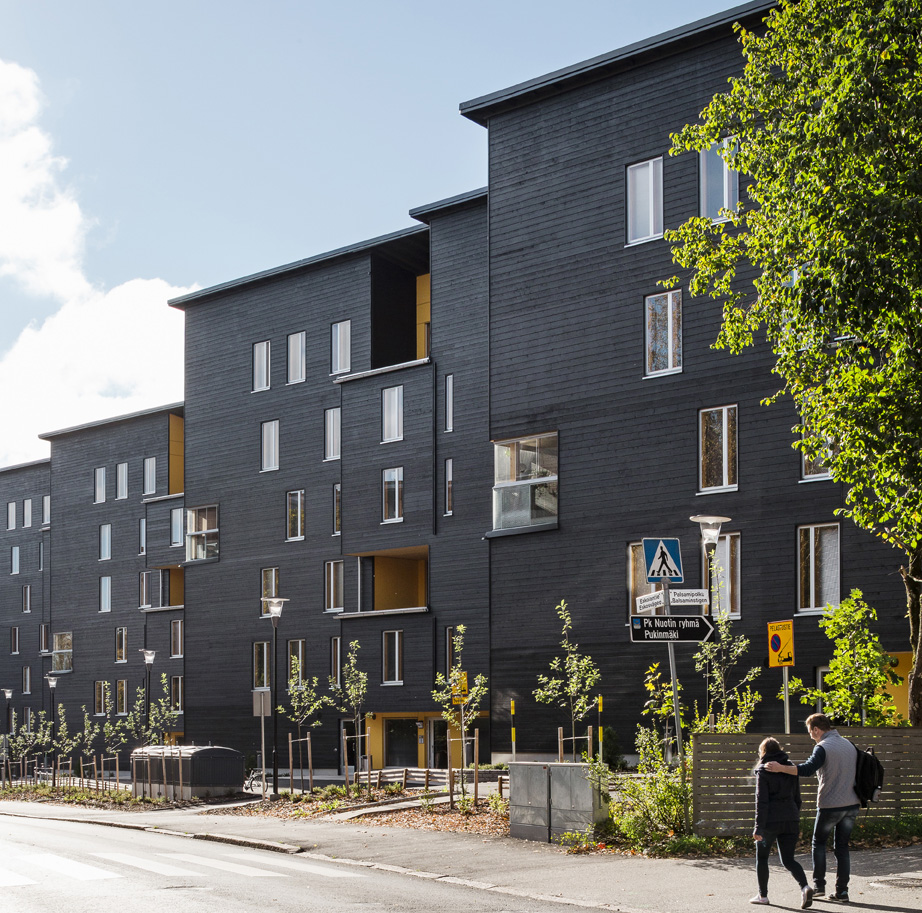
659	705
459	698
304	702
823	258
575	675
26	743
855	690
348	695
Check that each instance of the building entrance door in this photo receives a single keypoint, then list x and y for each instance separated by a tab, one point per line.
438	744
400	743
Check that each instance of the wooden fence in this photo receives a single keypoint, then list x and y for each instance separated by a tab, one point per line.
723	788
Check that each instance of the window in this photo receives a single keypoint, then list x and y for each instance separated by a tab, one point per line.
341	357
44	638
270	586
392	494
99	495
176	531
121	645
144	590
645	201
260	665
99	698
41	556
142	536
333	588
296	661
449	477
105	594
105	541
261	366
177	644
336	664
201	533
27	513
14	640
177	693
391	414
719	184
663	329
818	566
817	467
150	475
337	508
637	579
46	509
269	459
726	567
449	402
392	671
27	598
449	651
27	719
11	515
62	654
26	679
296	514
121	481
297	358
332	441
525	489
718	448
14	559
121	697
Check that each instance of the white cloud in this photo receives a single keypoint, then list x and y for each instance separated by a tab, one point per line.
104	352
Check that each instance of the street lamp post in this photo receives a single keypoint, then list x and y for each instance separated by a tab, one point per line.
148	662
275	605
8	694
710	535
52	684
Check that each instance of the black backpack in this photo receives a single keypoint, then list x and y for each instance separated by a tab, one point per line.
869	776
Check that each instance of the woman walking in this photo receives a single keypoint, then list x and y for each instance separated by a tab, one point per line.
777	819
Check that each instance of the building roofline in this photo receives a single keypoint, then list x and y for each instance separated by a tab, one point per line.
173	407
358	248
481	109
425	213
40	462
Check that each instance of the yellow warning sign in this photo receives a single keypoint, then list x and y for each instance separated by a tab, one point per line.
459	690
780	643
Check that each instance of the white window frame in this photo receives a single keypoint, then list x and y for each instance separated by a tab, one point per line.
99	698
150	476
177	533
297	357
728	578
811	529
449	486
121	644
27	599
506	453
99	485
336	660
392	414
142	536
46	510
202	543
11	515
673	333
145	589
14	640
105	594
177	694
26	679
261	365
27	513
262	673
392	495
729	181
337	508
62	651
44	638
729	468
449	402
269	446
269	588
14	560
392	657
121	481
105	541
332	434
121	697
177	639
647	178
333	575
341	347
295	510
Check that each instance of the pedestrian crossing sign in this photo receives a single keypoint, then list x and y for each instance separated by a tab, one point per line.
663	559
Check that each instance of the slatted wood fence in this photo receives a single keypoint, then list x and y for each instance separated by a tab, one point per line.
723	788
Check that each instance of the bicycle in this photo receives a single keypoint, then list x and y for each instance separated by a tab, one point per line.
254	779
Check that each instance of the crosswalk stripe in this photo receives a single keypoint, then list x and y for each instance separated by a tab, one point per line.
148	865
299	866
223	866
12	880
61	865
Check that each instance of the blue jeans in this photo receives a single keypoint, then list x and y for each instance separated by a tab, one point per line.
839	822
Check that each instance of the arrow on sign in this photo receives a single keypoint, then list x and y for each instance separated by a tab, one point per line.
682	628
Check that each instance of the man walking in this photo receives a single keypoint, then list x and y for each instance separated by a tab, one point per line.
834	761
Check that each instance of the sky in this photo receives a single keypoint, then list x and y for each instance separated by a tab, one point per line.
147	150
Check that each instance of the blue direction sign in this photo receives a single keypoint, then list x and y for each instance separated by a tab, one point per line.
663	559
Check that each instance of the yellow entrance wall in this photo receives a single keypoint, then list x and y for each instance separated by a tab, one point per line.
375	730
901	692
423	313
400	583
176	481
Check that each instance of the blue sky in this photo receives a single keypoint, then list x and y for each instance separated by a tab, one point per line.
147	149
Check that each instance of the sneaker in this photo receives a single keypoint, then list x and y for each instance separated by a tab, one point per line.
806	897
819	892
759	899
840	896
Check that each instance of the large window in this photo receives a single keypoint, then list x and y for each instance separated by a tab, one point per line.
121	645
150	475
645	201
525	487
295	513
341	355
818	578
177	694
449	402
177	639
336	663
726	568
99	488
261	366
332	439
637	579
449	486
663	332
261	664
297	357
105	594
121	481
392	414
392	494
269	452
333	588
392	671
269	587
296	661
62	654
105	541
202	533
718	448
337	508
719	183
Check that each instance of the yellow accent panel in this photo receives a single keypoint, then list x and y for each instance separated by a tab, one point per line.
423	314
176	483
375	740
901	692
177	586
400	583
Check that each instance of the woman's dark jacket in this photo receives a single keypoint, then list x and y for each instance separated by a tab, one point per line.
777	798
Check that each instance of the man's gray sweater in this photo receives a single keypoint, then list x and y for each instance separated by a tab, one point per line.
835	762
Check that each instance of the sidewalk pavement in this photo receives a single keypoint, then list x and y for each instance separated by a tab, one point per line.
888	880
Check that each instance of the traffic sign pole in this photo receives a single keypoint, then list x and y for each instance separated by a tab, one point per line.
787	702
675	703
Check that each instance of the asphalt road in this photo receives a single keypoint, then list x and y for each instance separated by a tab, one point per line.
81	868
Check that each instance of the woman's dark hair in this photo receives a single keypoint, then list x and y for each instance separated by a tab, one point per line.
768	746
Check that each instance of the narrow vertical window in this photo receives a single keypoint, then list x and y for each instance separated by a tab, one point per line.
26	679
99	698
336	660
295	514
11	515
14	559
392	414
99	486
142	536
260	366
726	570
333	587
718	448
105	594
46	509
449	651
150	475
121	645
177	693
663	330
27	513
818	548
41	555
719	184
341	354
393	658
144	589
296	661
337	508
449	473
121	481
121	697
105	541
449	402
645	201
14	640
297	357
269	587
27	598
261	665
44	638
332	434
177	645
269	458
392	494
176	531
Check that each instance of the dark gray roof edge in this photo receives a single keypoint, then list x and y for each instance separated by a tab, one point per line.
48	435
358	248
26	465
478	109
424	213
